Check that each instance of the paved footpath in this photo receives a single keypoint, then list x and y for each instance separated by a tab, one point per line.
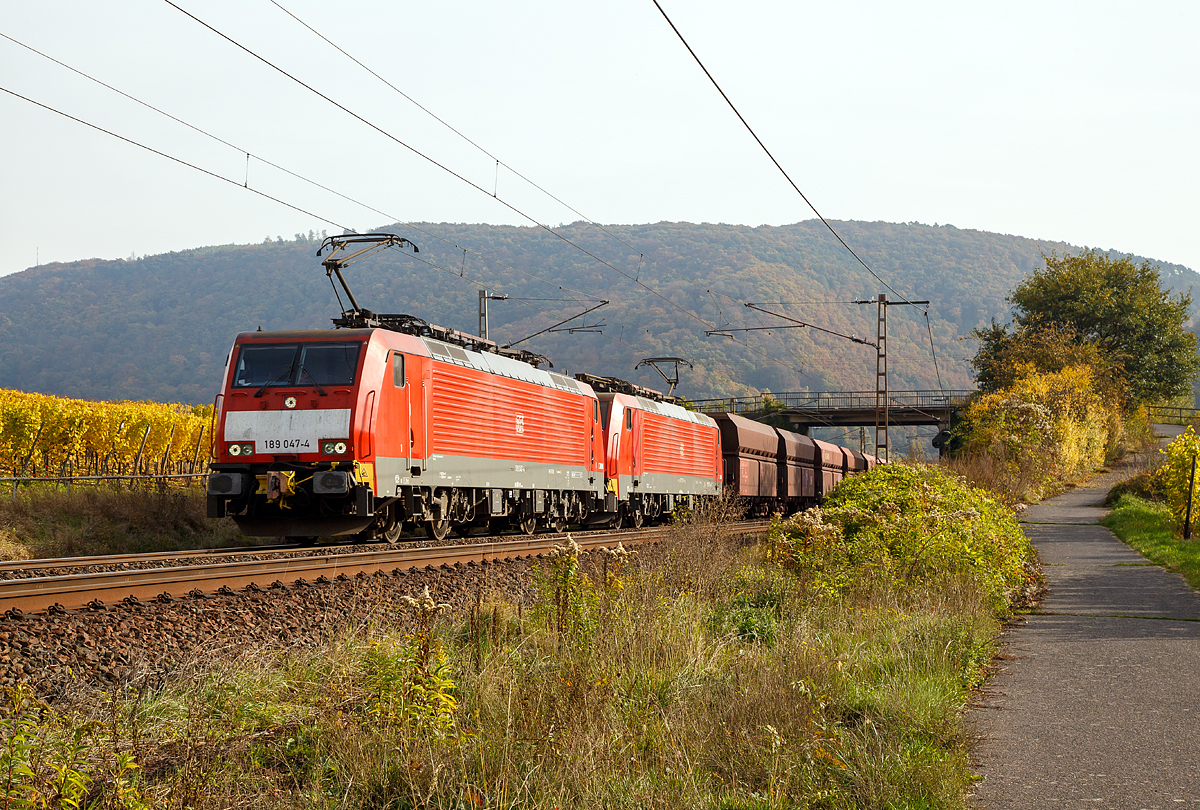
1097	702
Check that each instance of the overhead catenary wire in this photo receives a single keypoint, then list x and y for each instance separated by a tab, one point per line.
499	162
641	255
933	351
582	296
263	160
418	152
532	220
779	166
276	166
255	191
245	184
180	161
791	182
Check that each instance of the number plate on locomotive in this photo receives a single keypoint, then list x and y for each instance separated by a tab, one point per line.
286	446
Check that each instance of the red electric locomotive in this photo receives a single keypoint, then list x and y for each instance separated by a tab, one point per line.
389	420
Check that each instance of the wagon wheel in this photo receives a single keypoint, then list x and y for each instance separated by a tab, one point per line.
392	530
527	524
635	518
437	529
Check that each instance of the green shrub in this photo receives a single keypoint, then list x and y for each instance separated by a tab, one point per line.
904	525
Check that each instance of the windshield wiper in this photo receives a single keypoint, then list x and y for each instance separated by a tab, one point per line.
304	371
284	376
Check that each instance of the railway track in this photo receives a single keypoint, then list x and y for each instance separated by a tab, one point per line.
95	589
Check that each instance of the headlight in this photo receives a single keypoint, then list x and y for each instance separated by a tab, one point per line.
235	449
243	449
331	447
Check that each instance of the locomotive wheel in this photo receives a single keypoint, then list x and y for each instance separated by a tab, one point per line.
437	529
635	519
392	531
527	524
558	523
619	521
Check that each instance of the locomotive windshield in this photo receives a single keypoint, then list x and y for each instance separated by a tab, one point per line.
260	365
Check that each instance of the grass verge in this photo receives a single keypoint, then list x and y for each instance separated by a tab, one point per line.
47	521
1149	528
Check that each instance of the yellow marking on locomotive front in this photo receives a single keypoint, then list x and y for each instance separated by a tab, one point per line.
364	473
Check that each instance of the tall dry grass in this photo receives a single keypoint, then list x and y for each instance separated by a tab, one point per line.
696	675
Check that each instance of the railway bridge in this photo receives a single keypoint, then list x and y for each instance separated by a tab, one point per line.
806	410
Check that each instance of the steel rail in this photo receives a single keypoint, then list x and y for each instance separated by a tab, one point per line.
150	556
36	594
43	563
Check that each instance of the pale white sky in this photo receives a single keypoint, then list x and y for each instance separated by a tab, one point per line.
1072	121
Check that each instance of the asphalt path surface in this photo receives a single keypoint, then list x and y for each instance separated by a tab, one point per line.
1096	702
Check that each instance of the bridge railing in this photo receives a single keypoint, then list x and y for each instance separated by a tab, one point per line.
832	401
1173	415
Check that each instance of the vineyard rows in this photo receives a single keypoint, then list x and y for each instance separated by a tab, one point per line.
47	436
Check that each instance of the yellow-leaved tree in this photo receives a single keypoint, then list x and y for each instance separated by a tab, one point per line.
1044	427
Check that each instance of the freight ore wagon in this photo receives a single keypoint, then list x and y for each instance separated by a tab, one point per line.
775	470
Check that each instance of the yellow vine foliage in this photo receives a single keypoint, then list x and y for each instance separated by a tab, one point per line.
52	435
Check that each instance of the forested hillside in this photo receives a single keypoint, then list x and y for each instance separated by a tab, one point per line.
159	327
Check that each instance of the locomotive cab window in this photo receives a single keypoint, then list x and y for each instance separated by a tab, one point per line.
595	411
296	364
397	369
628	419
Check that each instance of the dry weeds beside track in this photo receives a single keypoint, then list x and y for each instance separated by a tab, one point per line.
168	575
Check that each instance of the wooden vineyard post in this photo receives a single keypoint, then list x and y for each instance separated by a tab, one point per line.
137	461
166	459
28	456
196	455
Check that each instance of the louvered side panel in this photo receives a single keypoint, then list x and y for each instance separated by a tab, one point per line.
676	447
485	415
